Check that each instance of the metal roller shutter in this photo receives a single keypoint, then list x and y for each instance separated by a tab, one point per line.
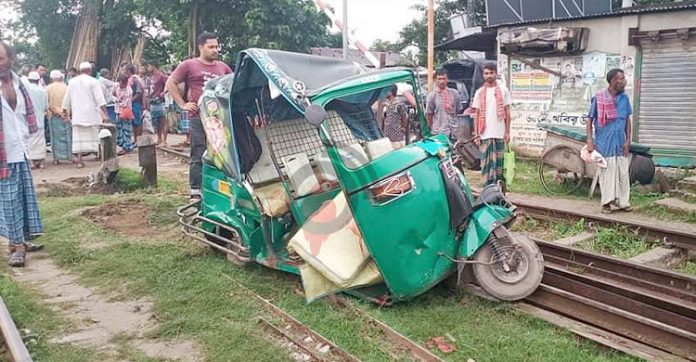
667	113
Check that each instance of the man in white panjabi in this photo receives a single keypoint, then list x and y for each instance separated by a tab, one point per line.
85	103
36	142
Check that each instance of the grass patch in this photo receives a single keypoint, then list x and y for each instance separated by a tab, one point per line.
619	242
128	180
41	322
527	182
662	212
548	230
688	267
195	296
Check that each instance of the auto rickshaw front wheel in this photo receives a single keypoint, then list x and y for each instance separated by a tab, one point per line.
511	269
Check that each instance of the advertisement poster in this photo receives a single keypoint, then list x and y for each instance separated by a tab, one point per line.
529	85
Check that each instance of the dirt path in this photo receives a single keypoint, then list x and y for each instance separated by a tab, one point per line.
168	166
102	324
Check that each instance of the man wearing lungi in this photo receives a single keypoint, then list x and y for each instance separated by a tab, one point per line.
610	116
19	211
87	106
61	132
492	120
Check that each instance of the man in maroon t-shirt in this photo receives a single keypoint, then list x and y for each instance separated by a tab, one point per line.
194	73
158	81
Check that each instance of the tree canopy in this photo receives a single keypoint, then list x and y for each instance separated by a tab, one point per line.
45	29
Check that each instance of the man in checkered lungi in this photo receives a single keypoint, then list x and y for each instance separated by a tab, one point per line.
19	212
492	105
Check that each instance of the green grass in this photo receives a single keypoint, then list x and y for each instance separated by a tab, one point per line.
619	242
662	212
527	182
688	267
195	296
128	180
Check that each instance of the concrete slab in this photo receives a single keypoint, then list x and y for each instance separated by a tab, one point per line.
661	257
677	204
575	239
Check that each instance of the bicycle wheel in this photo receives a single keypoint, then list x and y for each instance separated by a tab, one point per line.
561	170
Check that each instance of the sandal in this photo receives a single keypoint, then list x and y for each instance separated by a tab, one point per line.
17	259
606	210
626	209
31	247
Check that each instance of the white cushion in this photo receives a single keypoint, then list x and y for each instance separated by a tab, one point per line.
353	155
301	174
325	166
377	148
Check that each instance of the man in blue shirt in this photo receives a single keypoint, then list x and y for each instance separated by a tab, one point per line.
610	115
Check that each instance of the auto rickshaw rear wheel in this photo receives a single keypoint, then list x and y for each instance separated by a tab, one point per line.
226	234
513	272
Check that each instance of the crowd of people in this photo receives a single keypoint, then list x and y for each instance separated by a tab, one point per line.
67	110
72	105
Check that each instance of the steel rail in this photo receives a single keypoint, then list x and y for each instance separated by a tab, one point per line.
314	355
10	334
290	320
416	350
654	307
669	236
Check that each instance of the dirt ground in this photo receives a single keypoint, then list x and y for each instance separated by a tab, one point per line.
66	177
127	217
101	323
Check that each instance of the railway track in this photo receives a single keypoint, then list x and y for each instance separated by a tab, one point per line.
11	340
670	236
644	311
318	348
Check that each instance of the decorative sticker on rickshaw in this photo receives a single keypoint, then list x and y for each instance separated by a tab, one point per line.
218	134
292	88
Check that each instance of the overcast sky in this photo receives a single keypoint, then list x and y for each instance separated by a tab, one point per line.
377	19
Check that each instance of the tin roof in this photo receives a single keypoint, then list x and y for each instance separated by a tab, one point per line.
640	9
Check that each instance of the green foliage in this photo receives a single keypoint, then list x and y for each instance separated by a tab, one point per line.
619	241
44	31
293	25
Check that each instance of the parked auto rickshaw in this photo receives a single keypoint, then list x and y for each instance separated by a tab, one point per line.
298	177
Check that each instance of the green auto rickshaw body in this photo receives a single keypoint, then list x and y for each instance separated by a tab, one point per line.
410	238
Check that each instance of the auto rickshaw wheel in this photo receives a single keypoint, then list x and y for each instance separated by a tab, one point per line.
521	277
231	257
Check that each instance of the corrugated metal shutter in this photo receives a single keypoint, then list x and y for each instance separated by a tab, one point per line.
667	113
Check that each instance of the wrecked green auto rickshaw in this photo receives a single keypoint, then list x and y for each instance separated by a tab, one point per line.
299	177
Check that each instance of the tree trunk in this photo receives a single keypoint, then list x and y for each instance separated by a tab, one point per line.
138	50
194	28
83	46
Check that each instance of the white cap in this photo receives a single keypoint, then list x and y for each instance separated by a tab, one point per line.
33	76
85	66
56	74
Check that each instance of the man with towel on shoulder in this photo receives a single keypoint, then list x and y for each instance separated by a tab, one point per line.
20	221
610	115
